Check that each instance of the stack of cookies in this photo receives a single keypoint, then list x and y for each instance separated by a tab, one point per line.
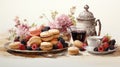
47	39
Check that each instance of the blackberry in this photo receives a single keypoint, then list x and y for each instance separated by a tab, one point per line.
111	47
96	49
29	48
61	40
106	49
112	42
82	49
55	47
38	49
46	28
65	45
16	38
23	42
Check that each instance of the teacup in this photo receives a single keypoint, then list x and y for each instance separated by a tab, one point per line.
94	41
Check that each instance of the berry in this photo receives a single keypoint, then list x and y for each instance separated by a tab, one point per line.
105	45
101	49
59	38
84	44
24	42
82	49
111	47
112	42
38	49
22	47
106	49
59	45
46	28
55	47
34	47
62	40
106	38
29	48
16	39
96	49
65	45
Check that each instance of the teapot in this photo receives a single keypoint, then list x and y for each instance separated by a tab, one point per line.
87	21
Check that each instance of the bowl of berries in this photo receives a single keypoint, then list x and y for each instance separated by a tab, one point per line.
101	45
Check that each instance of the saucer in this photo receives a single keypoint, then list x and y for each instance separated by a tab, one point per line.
91	50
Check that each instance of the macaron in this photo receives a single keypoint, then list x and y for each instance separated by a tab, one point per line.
34	40
46	36
54	41
14	45
78	43
73	50
55	32
35	31
45	46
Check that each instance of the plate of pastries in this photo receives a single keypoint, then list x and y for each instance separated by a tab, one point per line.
46	40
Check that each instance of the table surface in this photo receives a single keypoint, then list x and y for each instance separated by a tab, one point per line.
85	59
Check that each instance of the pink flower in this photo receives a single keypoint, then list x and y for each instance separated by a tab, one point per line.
54	24
64	21
61	23
22	30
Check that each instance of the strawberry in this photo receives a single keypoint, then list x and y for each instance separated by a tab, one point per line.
34	46
105	45
22	47
106	38
59	45
101	49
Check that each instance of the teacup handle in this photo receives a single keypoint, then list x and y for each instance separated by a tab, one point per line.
99	31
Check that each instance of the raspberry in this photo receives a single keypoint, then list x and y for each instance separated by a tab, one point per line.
16	39
22	47
84	44
34	46
59	45
101	49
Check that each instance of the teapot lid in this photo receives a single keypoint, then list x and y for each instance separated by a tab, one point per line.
86	14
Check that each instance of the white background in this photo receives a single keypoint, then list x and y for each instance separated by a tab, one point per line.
108	11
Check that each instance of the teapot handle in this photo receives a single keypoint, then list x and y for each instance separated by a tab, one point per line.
99	31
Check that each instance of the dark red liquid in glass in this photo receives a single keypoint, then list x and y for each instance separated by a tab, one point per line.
79	35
